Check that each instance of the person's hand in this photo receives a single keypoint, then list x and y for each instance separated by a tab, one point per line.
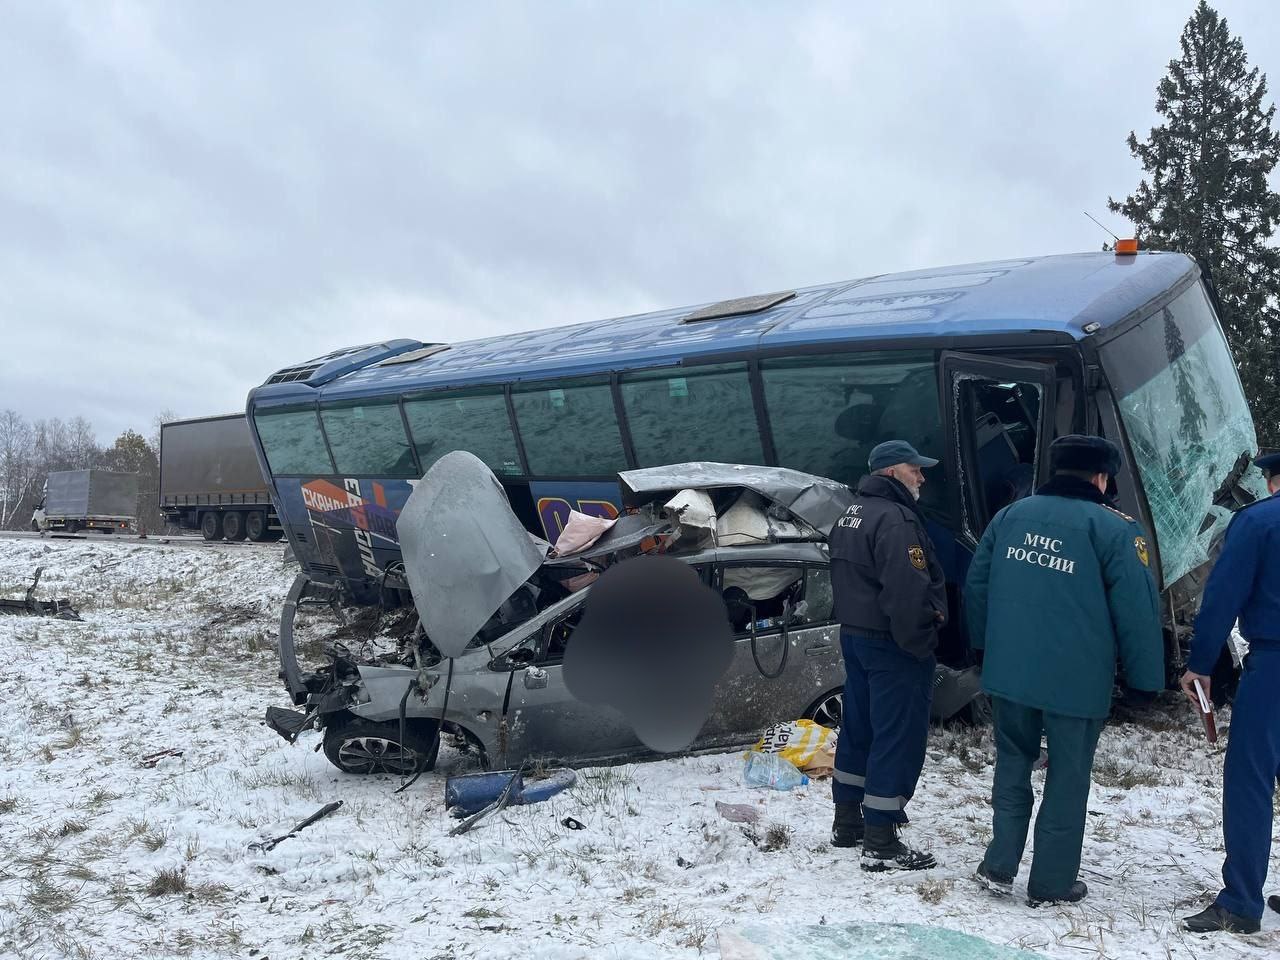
1188	684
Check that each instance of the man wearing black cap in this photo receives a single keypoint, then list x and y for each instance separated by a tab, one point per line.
1059	587
1245	586
890	599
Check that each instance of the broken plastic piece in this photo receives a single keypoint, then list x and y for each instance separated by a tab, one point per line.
472	792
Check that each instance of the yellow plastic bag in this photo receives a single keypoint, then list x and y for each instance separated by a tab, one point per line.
810	746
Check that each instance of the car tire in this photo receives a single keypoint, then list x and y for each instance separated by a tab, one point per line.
827	709
211	525
364	747
233	525
255	526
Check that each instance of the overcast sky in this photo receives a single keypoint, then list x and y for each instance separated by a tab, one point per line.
193	195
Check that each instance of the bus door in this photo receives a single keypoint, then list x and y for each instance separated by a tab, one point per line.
1001	417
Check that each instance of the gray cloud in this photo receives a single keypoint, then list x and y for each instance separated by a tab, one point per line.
194	195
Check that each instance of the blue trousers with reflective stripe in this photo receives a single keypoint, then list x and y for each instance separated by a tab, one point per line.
1249	783
884	727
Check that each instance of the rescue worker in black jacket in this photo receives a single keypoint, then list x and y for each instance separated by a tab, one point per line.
890	599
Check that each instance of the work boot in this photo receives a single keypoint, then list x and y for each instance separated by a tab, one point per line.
997	883
1075	893
1214	918
882	850
848	826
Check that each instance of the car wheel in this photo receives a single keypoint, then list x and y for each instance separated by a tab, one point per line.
367	746
211	525
255	526
828	710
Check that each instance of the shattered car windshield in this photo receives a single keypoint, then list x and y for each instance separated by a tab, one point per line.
1188	423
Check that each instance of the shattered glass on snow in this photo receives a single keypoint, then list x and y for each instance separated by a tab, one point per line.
1188	424
859	941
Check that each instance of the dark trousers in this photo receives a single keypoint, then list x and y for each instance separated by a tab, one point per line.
1249	783
884	727
1060	823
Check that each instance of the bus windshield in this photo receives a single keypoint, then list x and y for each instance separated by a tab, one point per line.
1188	423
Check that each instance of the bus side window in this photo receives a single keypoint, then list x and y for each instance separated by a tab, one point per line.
569	428
368	439
475	421
692	413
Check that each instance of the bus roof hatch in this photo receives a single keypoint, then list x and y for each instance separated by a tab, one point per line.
742	305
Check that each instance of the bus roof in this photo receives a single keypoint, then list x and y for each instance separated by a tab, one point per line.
1063	295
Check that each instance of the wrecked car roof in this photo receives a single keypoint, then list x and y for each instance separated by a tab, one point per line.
816	500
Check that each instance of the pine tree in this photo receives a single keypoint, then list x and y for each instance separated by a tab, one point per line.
1208	195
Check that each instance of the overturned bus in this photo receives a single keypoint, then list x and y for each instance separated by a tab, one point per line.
981	366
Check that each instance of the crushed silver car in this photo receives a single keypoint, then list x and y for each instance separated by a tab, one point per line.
505	605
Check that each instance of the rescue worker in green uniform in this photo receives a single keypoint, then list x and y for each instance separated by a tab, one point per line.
1060	587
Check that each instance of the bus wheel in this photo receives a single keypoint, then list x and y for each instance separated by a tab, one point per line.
211	525
233	525
255	526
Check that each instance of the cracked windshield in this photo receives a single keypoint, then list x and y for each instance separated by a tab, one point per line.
1188	424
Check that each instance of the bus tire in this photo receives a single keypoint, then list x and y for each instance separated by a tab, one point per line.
233	525
211	525
255	526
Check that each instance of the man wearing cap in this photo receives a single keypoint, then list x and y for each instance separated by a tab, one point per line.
890	599
1059	588
1245	586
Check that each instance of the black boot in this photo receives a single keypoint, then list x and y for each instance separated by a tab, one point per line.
848	826
997	883
1077	892
1215	918
882	850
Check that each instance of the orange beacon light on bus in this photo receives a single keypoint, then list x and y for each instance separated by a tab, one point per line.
1126	247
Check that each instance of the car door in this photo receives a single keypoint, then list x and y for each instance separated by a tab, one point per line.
758	686
544	720
817	670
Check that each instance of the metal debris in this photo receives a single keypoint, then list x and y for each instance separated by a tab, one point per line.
30	606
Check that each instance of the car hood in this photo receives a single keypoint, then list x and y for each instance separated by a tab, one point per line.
817	501
465	552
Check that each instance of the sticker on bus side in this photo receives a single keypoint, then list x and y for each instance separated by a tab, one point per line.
355	517
554	501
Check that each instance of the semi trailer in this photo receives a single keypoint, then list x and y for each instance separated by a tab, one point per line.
210	480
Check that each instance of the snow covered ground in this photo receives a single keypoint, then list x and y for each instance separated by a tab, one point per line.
103	856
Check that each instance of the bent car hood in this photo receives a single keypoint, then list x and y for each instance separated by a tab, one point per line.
465	553
817	501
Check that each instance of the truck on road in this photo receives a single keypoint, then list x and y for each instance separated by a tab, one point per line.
76	500
210	480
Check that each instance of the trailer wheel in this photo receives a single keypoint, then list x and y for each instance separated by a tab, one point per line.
255	526
71	527
233	525
211	525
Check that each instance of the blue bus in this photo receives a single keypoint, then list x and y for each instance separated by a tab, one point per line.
981	366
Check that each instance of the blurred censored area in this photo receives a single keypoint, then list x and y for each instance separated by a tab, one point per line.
652	644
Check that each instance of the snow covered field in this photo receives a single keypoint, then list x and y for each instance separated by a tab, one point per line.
102	856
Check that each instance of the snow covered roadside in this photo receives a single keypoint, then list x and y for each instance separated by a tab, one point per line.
101	856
